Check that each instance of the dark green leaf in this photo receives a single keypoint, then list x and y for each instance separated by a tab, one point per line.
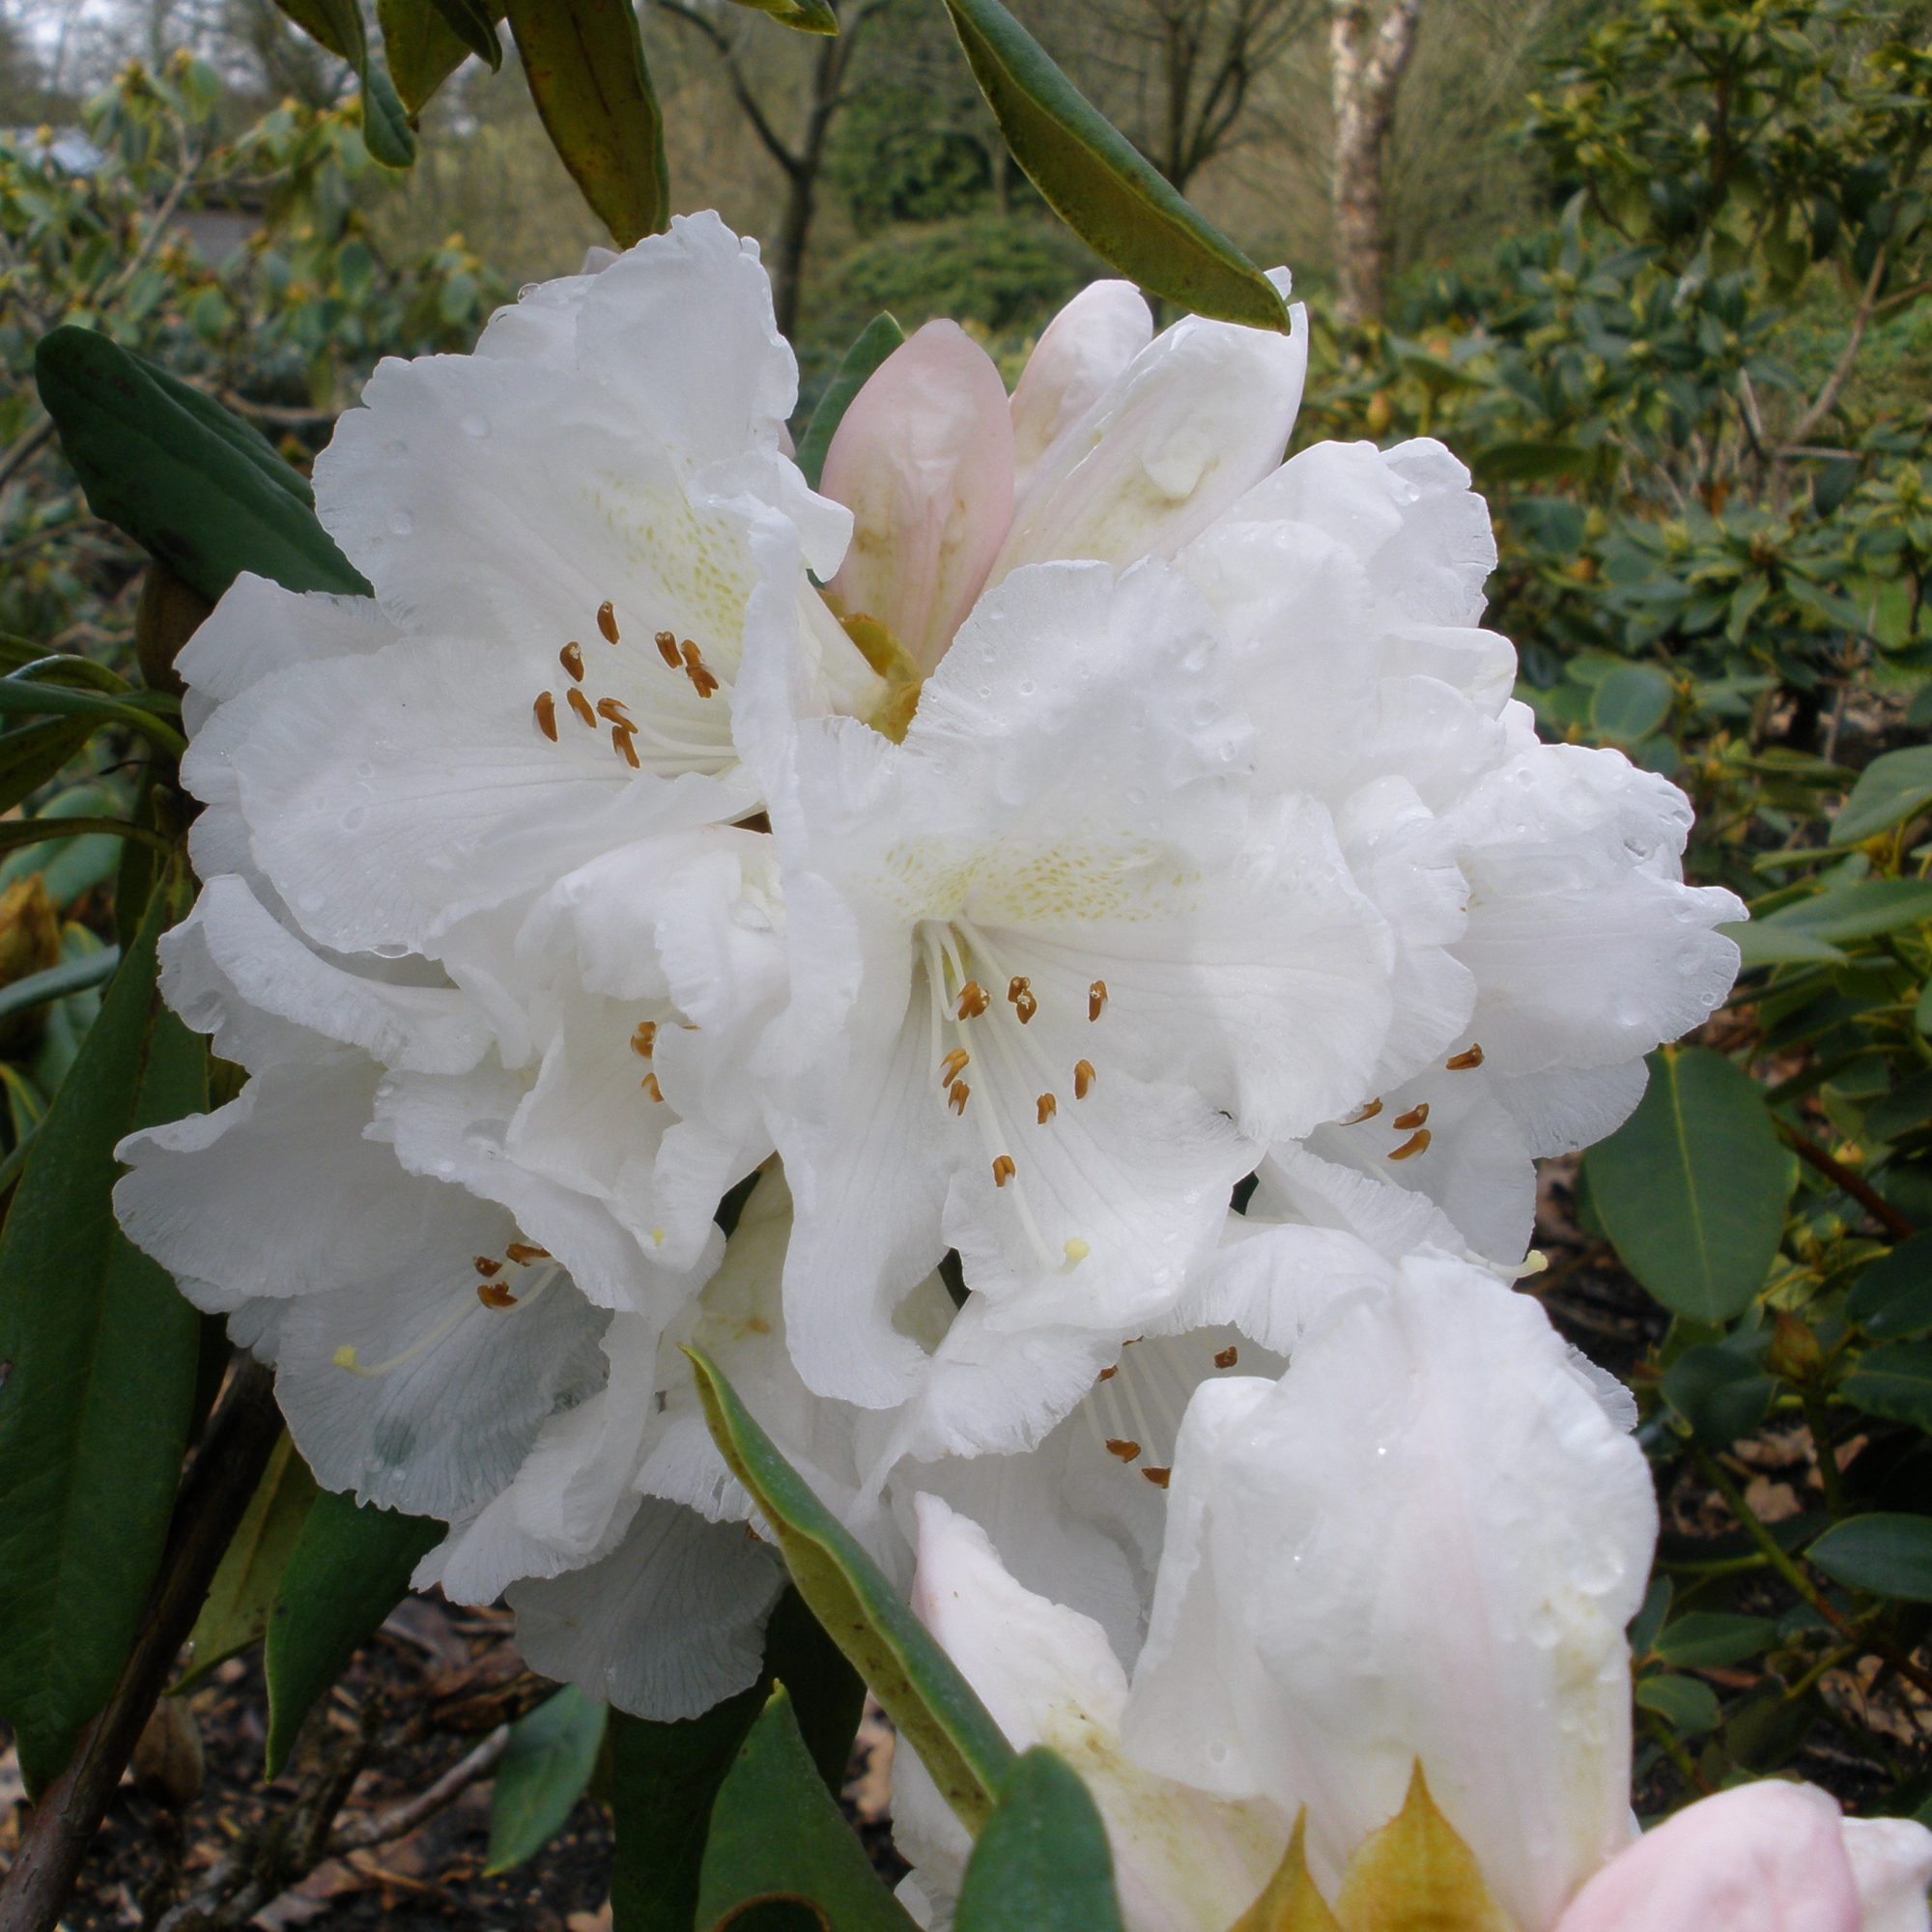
1693	1186
1719	1393
1763	942
665	1776
1649	1619
584	61
1895	786
474	23
924	1694
197	489
1525	462
338	26
1708	1639
1097	182
350	1568
236	1613
1042	1864
1687	1704
333	24
1903	1110
875	342
1894	1382
32	755
776	1834
97	1355
1859	911
385	125
71	976
1630	703
545	1770
423	46
1889	1555
1894	1296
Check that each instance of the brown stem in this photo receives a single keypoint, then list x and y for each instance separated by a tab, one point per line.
398	1821
1856	1186
214	1495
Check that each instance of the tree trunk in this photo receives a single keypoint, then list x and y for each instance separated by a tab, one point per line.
1365	72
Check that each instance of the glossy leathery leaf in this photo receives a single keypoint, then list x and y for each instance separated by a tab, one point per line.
1094	177
1888	1553
349	1568
665	1777
98	1354
873	344
546	1769
236	1612
924	1694
1042	1862
193	485
1692	1187
584	61
778	1837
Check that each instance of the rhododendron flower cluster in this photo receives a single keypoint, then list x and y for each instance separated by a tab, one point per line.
876	932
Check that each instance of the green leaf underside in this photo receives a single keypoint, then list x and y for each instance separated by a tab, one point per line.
1100	185
236	1613
584	63
1042	1864
1894	1296
100	1353
665	1776
1895	786
1894	1382
1692	1187
873	344
547	1768
922	1693
778	1835
192	485
349	1568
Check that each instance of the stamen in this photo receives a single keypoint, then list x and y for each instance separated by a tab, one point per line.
644	1042
623	740
953	1066
1076	1251
649	1084
1097	999
1119	1446
610	708
607	621
697	670
1019	991
1002	1170
1368	1113
1460	1062
1415	1117
581	705
1048	1107
570	657
1226	1358
1416	1142
666	645
1083	1078
486	1266
1108	1375
957	1095
493	1295
546	710
972	1000
523	1253
1160	1478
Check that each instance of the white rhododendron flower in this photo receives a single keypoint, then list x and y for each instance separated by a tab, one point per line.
1419	1546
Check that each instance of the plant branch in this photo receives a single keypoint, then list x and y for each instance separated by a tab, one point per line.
214	1495
1856	1186
1822	403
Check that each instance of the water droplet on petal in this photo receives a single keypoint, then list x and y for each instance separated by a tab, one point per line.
402	523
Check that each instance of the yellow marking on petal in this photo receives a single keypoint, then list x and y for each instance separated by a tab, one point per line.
1076	1251
1289	1901
345	1356
1417	1871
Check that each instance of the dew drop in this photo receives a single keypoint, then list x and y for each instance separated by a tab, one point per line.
402	523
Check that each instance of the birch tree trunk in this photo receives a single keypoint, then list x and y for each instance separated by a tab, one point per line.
1365	70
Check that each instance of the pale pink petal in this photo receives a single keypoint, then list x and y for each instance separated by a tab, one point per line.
1891	1866
1763	1858
923	459
1080	352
